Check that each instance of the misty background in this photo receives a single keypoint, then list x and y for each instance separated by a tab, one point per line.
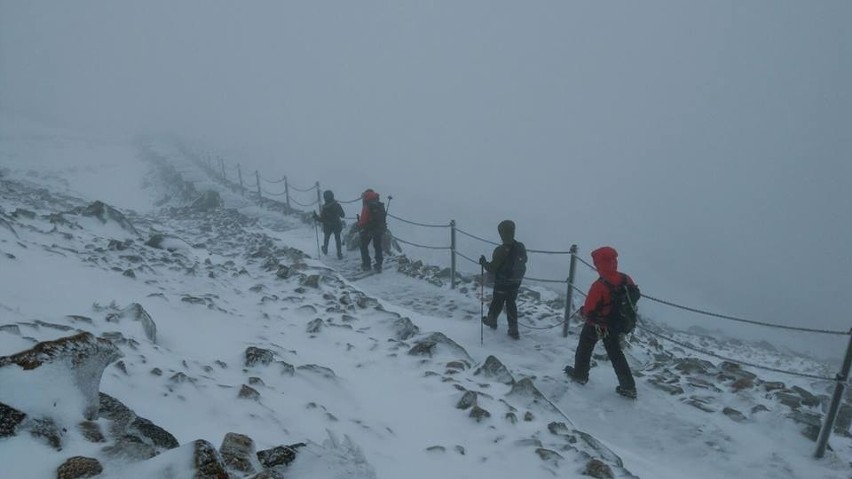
708	142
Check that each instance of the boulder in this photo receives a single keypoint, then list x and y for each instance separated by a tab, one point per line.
437	343
598	469
137	313
79	467
85	356
256	356
239	454
10	419
494	369
106	213
404	329
279	456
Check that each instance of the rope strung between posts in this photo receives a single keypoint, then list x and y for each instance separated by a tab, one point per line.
542	251
301	190
744	363
304	205
467	258
417	224
539	280
459	230
420	245
273	181
272	194
734	318
748	321
350	201
586	263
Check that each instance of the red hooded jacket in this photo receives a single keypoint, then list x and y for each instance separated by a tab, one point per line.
598	303
364	218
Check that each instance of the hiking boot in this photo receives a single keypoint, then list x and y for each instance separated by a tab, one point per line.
491	323
514	335
339	255
365	267
626	392
569	371
378	268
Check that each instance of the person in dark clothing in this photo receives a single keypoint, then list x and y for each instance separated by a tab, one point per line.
330	217
372	223
507	265
598	313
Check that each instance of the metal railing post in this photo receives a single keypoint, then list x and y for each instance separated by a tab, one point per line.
452	254
240	176
222	164
831	415
259	195
319	197
287	193
569	294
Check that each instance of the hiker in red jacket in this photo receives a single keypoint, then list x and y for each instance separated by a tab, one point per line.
598	313
372	223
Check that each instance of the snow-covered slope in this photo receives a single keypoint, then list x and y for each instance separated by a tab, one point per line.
227	325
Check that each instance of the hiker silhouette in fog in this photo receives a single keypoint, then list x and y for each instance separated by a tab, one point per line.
508	265
601	317
330	217
372	223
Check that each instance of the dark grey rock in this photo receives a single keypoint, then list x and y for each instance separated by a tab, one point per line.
130	448
598	469
279	456
734	414
159	437
10	419
844	419
467	400
78	467
239	454
248	392
91	431
494	369
404	329
479	413
256	356
314	326
47	430
106	213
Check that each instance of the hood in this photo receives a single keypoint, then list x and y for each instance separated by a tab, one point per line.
606	261
370	195
506	228
328	196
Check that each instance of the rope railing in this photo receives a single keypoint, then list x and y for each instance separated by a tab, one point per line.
303	205
540	280
738	361
266	192
349	201
459	230
748	321
273	181
467	258
421	245
302	190
425	225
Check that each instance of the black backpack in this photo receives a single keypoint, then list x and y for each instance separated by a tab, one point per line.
623	312
378	216
515	266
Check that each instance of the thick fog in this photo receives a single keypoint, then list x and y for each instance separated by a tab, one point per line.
709	142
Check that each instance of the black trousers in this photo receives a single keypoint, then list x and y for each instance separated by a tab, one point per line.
505	295
583	356
327	232
376	238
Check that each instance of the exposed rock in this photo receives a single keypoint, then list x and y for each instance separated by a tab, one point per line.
467	400
208	201
734	414
256	356
91	431
429	346
808	399
790	400
79	467
742	383
694	366
598	469
559	429
547	454
268	474
479	413
248	392
238	453
46	429
700	402
494	369
279	456
130	448
314	326
526	392
85	356
283	272
404	329
287	369
10	419
158	437
318	370
311	281
773	385
106	213
116	245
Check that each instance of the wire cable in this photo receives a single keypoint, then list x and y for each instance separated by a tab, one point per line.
459	230
421	245
273	181
302	190
425	225
748	321
303	204
273	194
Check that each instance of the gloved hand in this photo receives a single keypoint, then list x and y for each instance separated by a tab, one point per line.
482	260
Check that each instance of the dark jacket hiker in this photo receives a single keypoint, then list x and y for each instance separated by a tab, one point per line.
372	222
508	265
331	216
603	321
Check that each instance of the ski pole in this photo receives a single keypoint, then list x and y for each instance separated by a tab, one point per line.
481	300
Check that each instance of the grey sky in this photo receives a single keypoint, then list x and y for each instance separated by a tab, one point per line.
709	142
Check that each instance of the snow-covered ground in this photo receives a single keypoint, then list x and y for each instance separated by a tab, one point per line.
347	378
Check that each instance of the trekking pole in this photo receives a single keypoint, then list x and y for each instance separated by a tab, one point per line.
387	210
481	300
316	233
